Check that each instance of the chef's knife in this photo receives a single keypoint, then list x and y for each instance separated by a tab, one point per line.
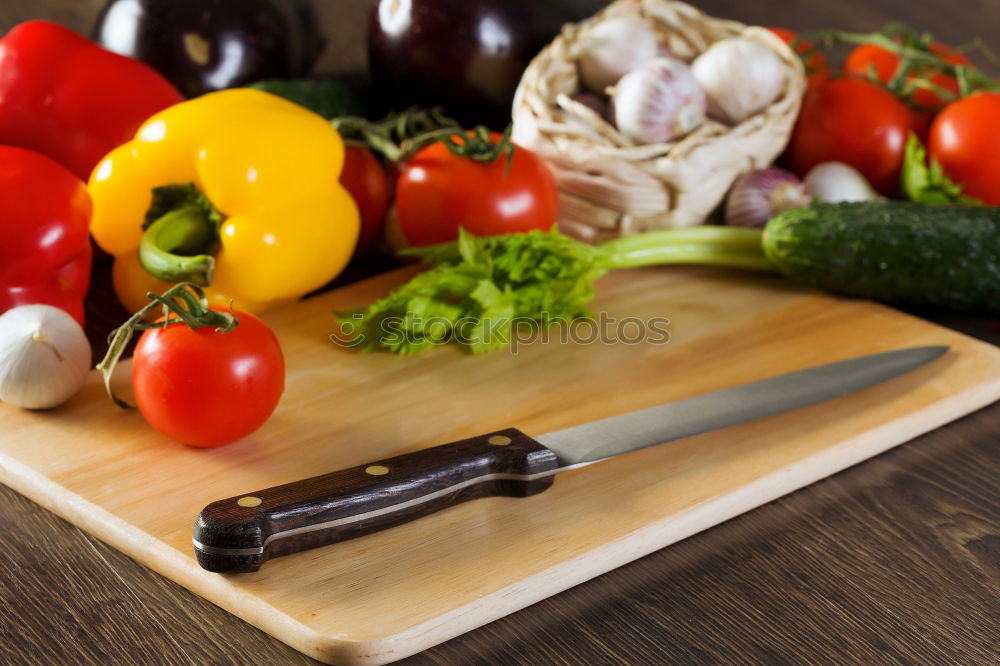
239	534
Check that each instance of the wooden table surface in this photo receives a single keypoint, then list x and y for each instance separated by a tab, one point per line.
894	561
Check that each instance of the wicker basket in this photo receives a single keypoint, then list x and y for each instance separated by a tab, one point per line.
609	186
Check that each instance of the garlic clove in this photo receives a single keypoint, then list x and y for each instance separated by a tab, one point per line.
612	48
658	102
740	77
44	356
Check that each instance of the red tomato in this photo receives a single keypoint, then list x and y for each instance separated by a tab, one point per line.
965	140
438	192
365	179
885	63
205	388
817	69
854	121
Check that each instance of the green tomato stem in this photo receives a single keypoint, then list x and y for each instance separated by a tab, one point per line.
186	301
399	135
913	52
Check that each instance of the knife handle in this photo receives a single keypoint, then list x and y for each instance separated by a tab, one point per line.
237	535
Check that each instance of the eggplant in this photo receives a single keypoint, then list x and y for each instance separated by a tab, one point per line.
206	45
464	55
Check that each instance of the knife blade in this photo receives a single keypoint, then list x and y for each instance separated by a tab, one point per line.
238	534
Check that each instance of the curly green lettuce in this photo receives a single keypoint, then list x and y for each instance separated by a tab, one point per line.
479	288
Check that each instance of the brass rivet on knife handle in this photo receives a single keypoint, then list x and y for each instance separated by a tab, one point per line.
249	501
376	470
499	440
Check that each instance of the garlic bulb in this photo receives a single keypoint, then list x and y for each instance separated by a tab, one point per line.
658	102
740	78
834	182
44	356
759	195
613	48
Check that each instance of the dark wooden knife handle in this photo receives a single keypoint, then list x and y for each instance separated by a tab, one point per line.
239	534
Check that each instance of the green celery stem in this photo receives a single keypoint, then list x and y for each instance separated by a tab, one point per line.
178	246
736	247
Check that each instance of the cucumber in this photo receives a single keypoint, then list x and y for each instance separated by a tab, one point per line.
901	253
330	98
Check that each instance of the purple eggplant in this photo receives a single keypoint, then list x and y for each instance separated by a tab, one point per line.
464	55
205	45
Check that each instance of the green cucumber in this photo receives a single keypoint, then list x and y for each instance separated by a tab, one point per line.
897	252
330	98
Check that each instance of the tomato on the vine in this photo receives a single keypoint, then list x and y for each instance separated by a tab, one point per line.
437	192
965	140
817	68
884	64
206	388
365	179
854	121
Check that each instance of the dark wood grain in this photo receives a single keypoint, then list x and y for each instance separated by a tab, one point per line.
895	561
380	486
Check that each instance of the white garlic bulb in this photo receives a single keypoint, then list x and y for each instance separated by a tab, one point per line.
658	102
740	78
834	182
44	356
613	48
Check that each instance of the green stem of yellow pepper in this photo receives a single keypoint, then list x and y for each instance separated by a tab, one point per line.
178	246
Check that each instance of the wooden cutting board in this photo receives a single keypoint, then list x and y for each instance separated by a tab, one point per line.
385	596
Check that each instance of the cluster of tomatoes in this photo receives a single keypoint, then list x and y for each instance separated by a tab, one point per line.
425	198
855	118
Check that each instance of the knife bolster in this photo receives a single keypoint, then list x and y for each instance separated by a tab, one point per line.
239	534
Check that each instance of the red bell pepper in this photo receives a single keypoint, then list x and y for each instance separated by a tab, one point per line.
44	233
63	96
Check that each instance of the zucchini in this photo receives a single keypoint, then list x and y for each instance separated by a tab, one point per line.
330	98
902	253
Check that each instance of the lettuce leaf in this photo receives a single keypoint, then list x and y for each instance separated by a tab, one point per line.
478	290
925	181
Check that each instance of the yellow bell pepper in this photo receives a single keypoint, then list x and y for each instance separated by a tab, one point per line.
257	213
